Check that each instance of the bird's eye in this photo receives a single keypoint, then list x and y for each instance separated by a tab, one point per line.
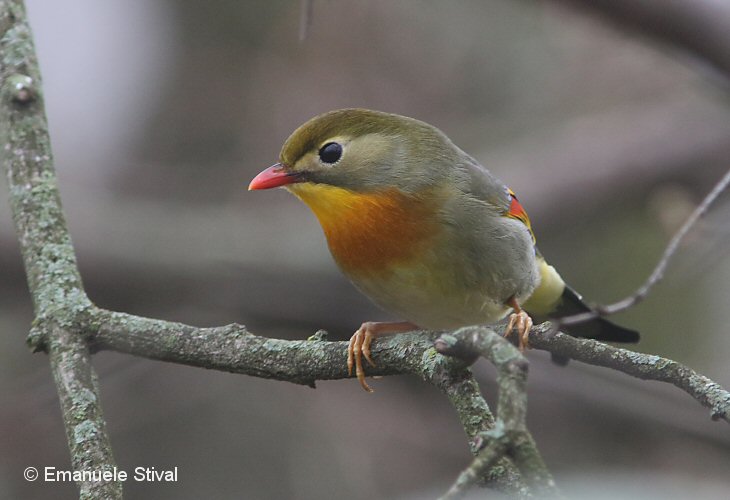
330	152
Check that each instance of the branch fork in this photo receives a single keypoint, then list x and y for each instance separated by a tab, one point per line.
509	436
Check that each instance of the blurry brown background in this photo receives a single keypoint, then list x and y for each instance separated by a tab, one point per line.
161	112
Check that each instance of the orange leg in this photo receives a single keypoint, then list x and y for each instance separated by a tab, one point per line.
520	321
360	345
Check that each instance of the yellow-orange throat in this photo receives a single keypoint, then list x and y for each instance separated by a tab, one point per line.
369	232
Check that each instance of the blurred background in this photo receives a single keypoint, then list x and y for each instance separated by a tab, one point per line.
160	114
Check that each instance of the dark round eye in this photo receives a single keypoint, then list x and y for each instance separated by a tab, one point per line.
330	152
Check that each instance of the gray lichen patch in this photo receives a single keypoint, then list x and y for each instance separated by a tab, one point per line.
504	353
85	431
17	43
83	397
429	361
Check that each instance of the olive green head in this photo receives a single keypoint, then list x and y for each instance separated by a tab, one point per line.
364	150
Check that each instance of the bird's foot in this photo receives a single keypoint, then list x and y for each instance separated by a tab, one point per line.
520	321
360	345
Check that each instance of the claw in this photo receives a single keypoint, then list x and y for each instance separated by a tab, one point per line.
359	346
350	354
366	347
520	321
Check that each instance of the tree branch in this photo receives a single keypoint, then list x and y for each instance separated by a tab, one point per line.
233	348
48	256
510	434
644	366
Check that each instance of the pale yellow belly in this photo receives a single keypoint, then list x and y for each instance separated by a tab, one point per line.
431	297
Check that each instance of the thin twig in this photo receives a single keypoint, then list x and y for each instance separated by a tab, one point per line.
486	459
306	12
658	273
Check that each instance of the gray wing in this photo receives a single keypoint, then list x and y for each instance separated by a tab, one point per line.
484	186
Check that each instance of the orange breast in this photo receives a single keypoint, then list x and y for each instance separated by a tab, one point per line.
369	233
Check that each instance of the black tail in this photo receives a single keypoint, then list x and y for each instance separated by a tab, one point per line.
599	329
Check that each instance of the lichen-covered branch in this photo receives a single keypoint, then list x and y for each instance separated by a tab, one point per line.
50	264
78	392
234	349
509	436
645	366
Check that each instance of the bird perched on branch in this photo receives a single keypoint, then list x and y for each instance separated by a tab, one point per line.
422	229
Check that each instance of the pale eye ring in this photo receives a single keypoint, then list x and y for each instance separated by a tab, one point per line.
330	152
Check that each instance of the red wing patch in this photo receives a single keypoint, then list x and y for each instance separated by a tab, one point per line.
516	211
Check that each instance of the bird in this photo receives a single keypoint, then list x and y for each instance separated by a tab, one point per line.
423	230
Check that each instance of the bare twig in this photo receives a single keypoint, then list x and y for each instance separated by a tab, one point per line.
485	460
306	11
644	366
658	273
